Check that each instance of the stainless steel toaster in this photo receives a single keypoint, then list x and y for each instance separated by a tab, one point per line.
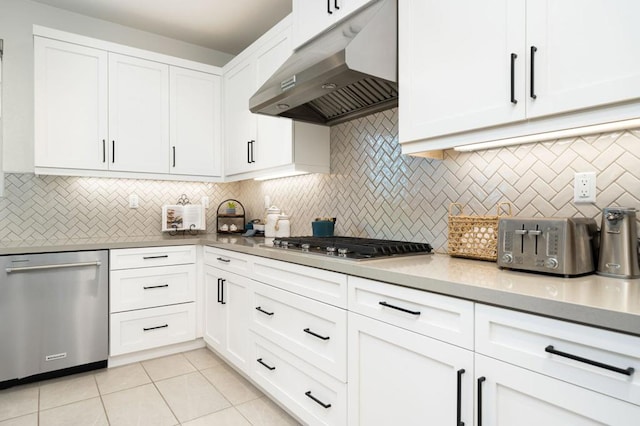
559	246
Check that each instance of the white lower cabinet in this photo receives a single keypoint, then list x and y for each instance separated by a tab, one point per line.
314	396
400	377
508	395
227	314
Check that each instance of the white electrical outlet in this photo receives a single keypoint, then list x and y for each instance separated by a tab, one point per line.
133	201
205	202
584	187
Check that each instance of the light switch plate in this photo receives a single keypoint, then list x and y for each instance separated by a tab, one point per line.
133	201
205	202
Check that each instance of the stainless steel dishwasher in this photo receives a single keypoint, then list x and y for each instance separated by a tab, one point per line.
53	315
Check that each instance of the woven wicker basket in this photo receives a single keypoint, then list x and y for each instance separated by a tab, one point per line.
474	237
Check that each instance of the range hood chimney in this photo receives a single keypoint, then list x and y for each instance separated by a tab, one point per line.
344	73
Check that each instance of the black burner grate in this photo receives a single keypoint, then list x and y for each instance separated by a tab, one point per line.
365	247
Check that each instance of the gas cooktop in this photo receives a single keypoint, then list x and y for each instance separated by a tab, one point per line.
352	248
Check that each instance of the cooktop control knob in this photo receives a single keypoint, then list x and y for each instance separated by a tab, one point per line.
507	258
551	263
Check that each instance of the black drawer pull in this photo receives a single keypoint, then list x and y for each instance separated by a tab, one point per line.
626	371
306	330
222	259
479	394
329	7
164	256
155	328
308	393
533	70
104	151
399	308
266	365
459	421
221	291
155	286
259	308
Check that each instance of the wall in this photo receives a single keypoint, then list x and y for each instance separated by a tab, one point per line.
376	192
17	18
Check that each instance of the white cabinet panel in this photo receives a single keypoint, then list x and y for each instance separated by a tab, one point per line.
511	395
70	105
149	328
228	260
138	114
400	377
195	118
151	256
585	53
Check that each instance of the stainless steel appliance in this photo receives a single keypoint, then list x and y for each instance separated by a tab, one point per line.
559	246
351	248
53	314
619	243
346	72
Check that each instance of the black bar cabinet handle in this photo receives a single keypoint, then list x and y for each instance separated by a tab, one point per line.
513	78
155	286
399	308
459	421
306	330
533	70
104	151
222	259
626	371
163	256
174	156
249	152
259	308
266	365
335	5
222	280
113	151
253	144
308	393
329	7
480	381
155	328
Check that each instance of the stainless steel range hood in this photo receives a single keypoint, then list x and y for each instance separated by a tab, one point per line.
347	72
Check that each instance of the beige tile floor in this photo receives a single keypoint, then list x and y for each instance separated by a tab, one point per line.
193	388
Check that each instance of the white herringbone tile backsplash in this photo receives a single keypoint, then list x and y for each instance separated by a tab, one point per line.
376	192
373	190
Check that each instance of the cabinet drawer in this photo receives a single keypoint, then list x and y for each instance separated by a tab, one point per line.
149	328
314	331
325	286
151	256
227	260
525	340
148	287
441	317
316	398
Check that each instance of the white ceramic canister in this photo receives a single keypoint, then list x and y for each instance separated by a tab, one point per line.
283	226
273	213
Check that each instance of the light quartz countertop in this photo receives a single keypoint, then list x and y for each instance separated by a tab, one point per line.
608	303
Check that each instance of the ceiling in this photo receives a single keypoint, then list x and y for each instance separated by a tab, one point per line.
224	25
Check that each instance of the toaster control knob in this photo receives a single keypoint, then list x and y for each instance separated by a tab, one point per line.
507	258
551	263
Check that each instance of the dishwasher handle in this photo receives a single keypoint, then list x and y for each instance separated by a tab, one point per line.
52	266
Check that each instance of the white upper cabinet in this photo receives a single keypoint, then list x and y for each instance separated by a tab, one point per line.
70	105
471	72
138	114
256	144
311	17
128	113
585	54
195	117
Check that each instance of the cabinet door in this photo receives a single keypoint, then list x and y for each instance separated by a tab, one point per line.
511	395
138	115
195	117
274	139
227	314
400	377
70	105
455	66
240	123
586	54
311	17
